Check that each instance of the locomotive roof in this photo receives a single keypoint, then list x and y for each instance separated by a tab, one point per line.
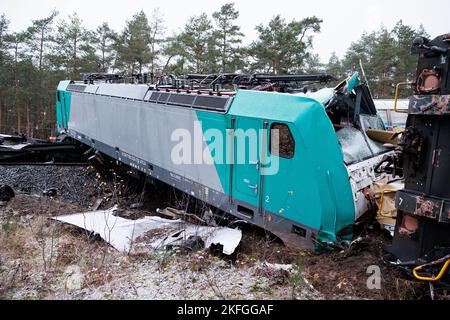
247	103
271	105
214	101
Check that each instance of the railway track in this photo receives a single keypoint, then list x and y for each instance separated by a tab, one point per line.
33	152
67	164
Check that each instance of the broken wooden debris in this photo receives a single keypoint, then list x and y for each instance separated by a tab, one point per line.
97	204
177	214
383	136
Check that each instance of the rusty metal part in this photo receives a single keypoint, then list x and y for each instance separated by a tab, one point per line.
429	104
409	225
428	81
423	206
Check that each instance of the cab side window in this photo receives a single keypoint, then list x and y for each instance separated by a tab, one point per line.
282	142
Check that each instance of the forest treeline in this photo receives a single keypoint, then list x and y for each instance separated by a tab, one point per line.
34	60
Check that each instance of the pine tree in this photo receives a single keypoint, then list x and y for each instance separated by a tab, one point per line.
383	62
4	24
4	62
198	43
175	55
105	38
40	36
385	56
334	66
157	29
406	62
228	37
284	47
312	64
361	50
17	42
72	49
134	44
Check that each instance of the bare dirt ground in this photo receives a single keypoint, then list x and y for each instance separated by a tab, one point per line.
45	259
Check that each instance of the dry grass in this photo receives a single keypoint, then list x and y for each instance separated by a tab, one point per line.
35	253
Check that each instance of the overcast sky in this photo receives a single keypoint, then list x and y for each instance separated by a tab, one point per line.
344	21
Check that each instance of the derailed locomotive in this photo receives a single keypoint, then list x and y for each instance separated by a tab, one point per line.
324	157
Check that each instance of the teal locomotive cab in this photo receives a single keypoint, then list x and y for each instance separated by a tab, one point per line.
63	101
299	173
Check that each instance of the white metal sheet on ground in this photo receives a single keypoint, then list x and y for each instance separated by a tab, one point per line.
117	231
227	237
121	233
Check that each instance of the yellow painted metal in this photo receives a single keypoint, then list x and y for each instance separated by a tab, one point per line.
397	88
432	278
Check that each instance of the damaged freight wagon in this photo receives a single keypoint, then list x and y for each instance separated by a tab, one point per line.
320	142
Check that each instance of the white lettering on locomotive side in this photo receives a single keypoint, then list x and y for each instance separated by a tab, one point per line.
211	147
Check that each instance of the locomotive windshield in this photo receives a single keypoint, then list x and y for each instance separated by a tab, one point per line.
352	112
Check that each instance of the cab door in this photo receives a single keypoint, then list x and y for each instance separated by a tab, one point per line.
247	162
